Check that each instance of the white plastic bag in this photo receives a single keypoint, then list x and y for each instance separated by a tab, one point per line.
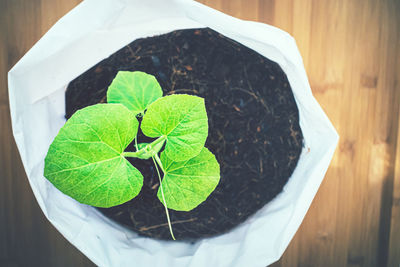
93	31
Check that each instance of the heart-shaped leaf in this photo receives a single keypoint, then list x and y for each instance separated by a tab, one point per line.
85	159
183	120
135	90
186	184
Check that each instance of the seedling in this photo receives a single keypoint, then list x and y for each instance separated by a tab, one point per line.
87	159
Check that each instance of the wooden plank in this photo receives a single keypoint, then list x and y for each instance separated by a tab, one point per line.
266	11
54	10
394	236
3	54
358	96
394	244
387	130
216	4
26	237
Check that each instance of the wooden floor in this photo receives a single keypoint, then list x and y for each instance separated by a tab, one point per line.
351	51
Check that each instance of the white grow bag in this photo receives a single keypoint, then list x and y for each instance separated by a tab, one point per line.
91	32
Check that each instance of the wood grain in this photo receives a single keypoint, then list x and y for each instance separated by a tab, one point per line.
26	237
394	239
351	51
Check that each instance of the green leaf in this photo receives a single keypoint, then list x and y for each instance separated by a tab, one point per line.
186	184
135	90
183	120
85	162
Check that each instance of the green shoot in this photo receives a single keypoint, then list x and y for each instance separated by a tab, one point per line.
87	159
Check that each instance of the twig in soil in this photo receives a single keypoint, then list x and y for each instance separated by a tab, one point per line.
246	76
119	213
294	134
103	99
251	167
166	224
246	91
177	91
155	186
134	53
132	218
291	159
130	50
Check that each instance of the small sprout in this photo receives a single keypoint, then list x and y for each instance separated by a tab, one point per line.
87	159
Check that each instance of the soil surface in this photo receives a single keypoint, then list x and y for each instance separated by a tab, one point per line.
253	126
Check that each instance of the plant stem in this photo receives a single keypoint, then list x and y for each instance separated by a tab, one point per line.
130	154
162	194
136	146
152	145
159	162
158	140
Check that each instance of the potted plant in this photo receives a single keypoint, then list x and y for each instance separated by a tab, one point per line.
265	233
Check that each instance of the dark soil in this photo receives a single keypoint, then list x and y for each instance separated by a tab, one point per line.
253	126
